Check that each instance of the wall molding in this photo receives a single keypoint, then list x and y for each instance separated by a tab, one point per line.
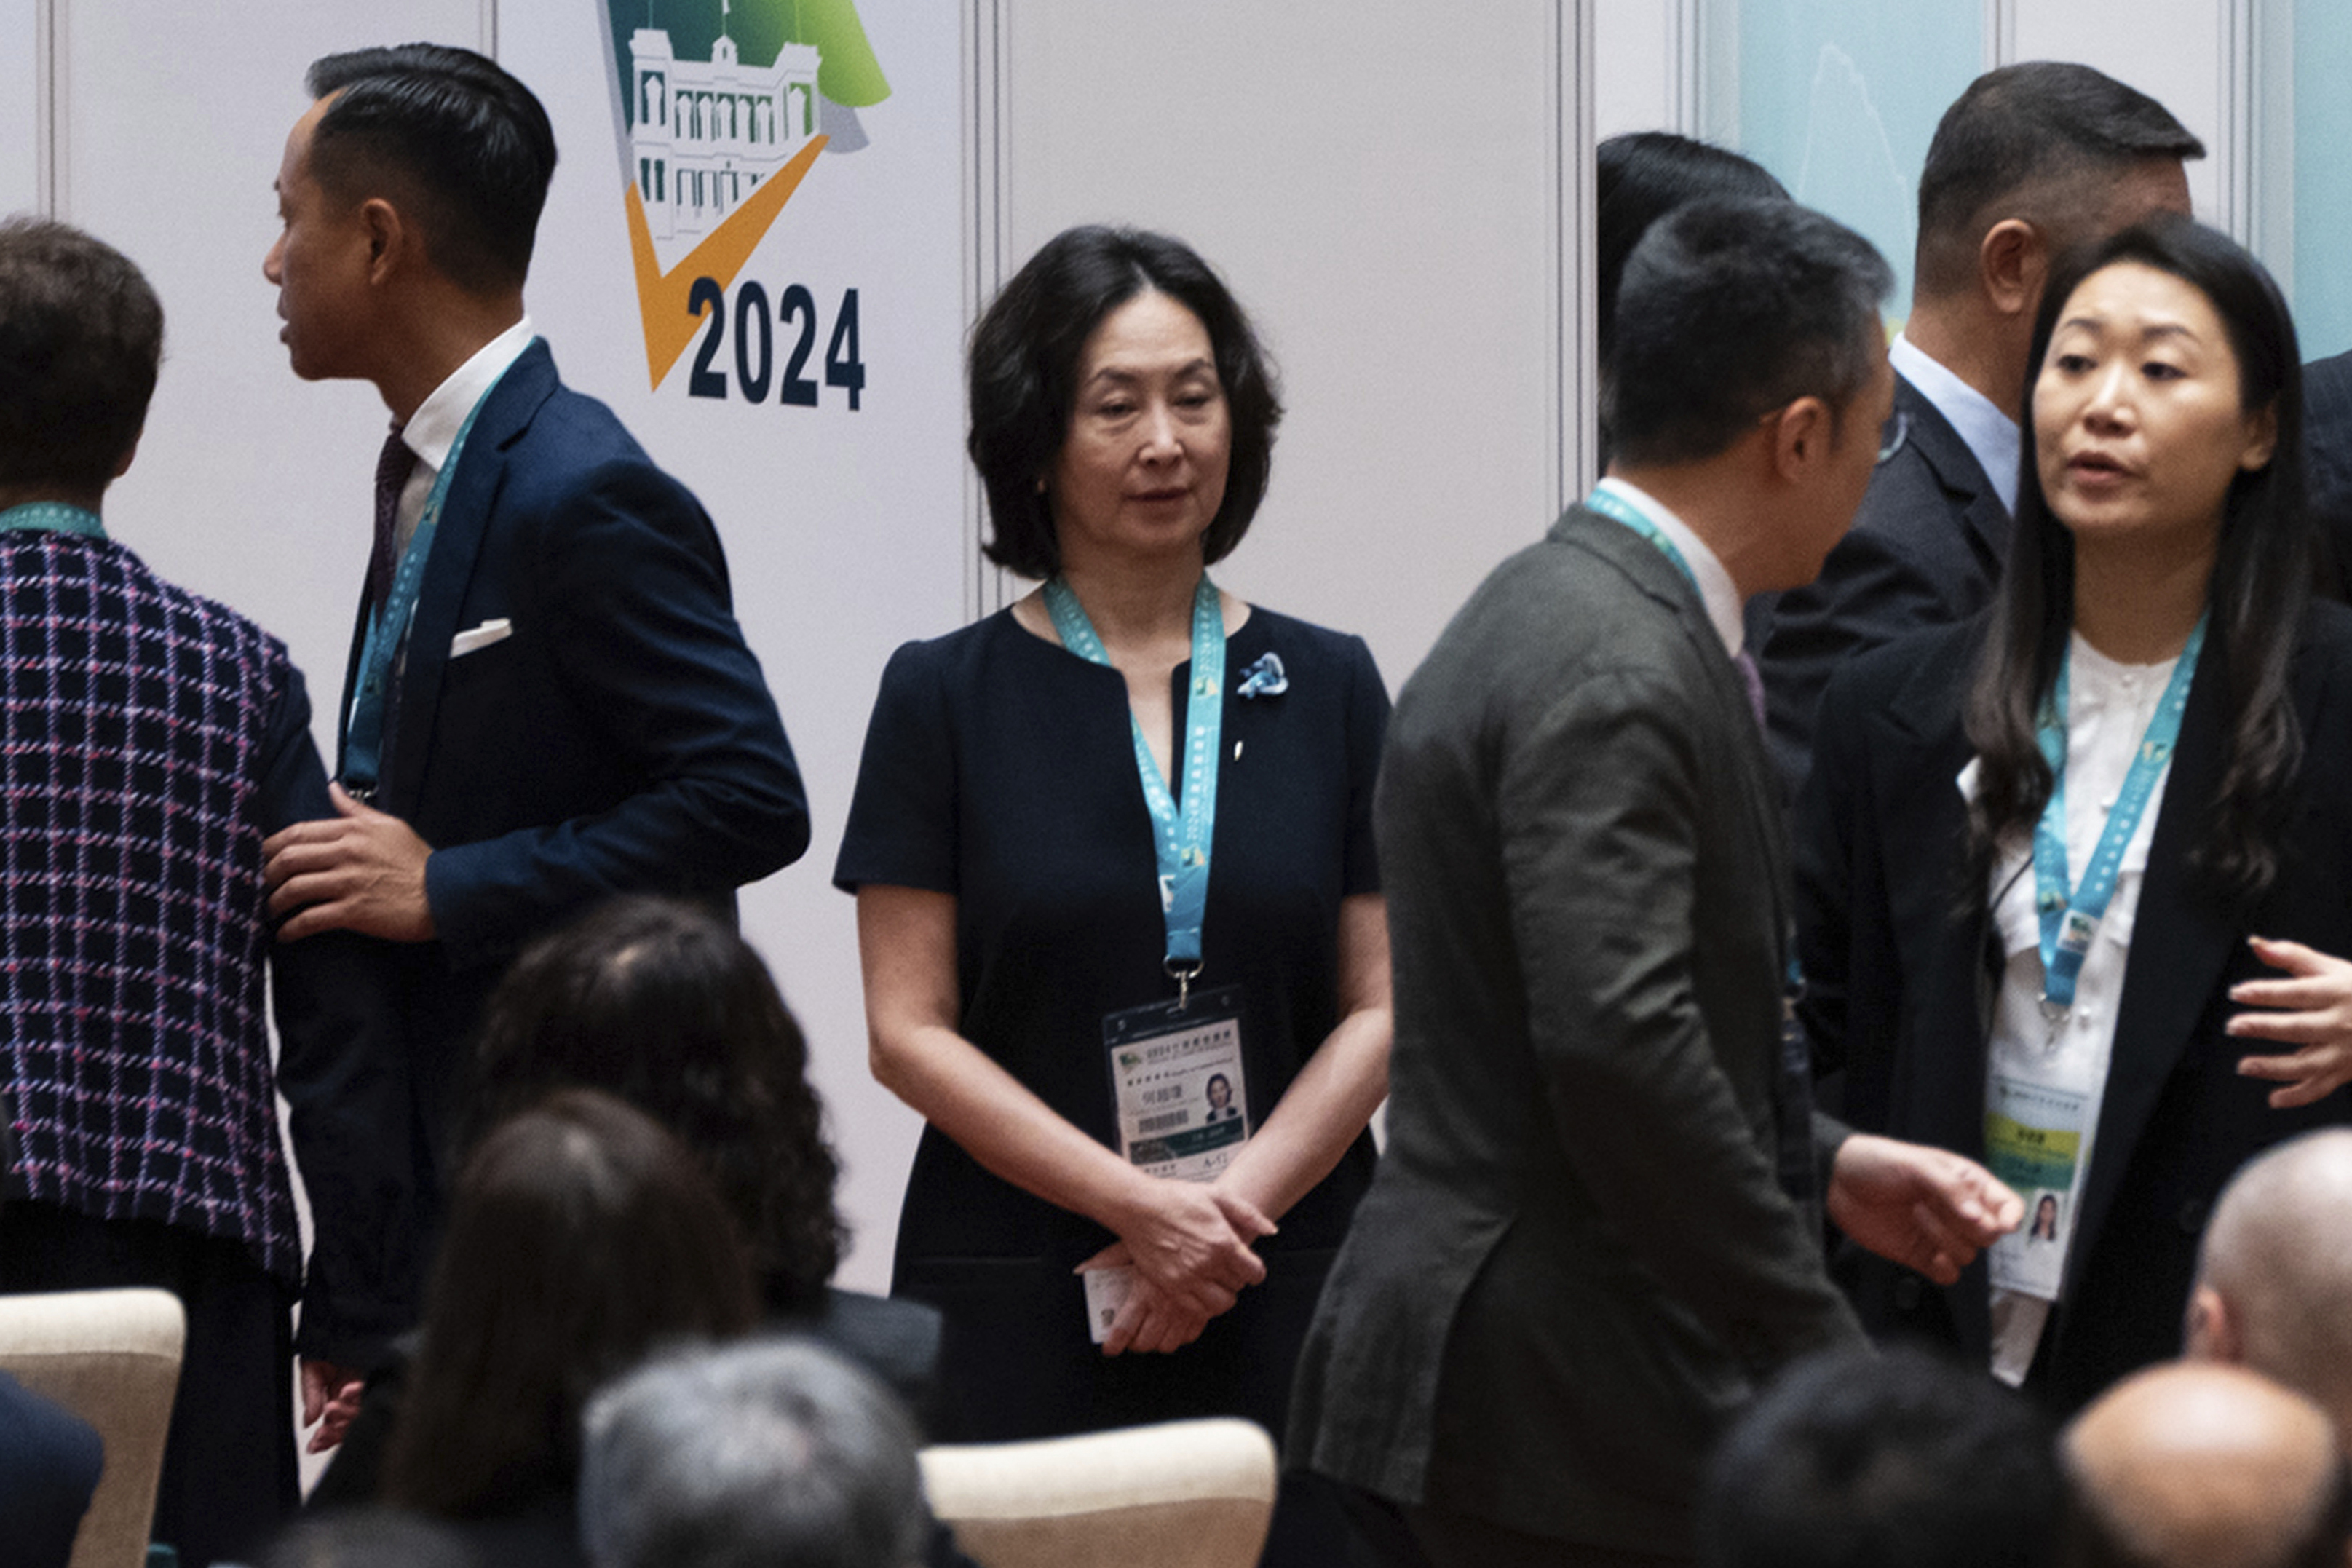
2237	60
49	164
1573	330
1999	34
987	86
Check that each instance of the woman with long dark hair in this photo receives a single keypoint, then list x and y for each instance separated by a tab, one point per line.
580	1235
2047	858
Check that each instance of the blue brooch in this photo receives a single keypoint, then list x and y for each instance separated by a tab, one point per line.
1264	679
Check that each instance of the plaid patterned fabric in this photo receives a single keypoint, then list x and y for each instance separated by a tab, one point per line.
132	939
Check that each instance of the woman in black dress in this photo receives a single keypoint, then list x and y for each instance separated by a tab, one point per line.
1046	978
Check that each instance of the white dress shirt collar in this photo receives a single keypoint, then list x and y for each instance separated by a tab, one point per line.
1991	435
433	429
1715	590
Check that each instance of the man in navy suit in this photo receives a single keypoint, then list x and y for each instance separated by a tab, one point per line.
2031	159
549	699
2328	448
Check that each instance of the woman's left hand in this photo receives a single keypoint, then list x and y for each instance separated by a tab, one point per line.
2312	1010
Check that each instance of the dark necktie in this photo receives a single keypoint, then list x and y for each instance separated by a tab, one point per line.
393	466
1753	679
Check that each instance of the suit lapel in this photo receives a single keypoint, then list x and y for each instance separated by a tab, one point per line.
1649	569
1957	469
474	489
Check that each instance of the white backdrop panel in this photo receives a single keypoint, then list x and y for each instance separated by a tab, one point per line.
21	63
1376	181
2170	49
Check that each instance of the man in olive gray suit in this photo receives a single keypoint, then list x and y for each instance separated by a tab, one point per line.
1595	1230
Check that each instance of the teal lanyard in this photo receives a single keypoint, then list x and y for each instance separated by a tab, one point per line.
2069	922
1181	837
1618	508
53	517
388	625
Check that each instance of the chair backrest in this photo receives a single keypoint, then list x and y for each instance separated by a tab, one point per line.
1186	1494
111	1357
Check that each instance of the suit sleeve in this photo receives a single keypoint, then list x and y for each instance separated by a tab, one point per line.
1600	810
631	579
1827	812
344	1074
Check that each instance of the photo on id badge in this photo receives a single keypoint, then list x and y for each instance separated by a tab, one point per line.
1183	1104
2033	1141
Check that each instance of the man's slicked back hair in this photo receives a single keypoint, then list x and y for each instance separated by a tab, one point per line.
1730	310
453	138
2020	138
81	338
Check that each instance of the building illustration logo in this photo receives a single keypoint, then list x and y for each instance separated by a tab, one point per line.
722	109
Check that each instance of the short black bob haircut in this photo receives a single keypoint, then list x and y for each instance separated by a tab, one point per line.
81	338
467	148
1640	176
1730	308
2260	594
1024	373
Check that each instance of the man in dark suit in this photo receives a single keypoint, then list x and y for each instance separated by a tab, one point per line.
2031	161
2327	444
549	699
1595	1230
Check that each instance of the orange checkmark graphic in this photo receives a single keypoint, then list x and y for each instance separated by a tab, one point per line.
661	296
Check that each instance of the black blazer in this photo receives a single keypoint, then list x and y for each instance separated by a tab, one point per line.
1901	967
1576	1258
2327	440
1925	550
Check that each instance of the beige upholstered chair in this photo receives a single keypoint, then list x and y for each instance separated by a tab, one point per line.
1188	1494
111	1357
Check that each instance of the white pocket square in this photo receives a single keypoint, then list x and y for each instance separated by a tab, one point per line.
481	636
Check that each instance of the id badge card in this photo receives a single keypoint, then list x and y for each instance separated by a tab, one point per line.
1183	1106
2033	1141
1176	1078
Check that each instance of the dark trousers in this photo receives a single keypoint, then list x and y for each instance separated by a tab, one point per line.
229	1476
1395	1535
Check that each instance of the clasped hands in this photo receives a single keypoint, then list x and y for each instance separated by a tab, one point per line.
1189	1244
360	870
